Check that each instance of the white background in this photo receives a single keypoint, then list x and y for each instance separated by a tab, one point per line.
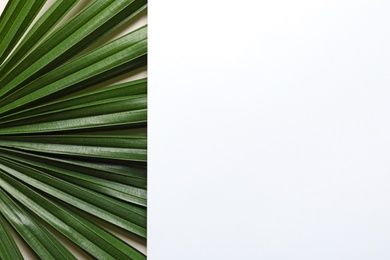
269	129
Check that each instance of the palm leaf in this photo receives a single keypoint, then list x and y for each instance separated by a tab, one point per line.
72	136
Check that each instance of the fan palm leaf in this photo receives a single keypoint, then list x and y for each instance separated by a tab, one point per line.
72	136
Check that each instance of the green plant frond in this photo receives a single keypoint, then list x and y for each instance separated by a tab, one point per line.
40	29
42	242
17	18
111	188
62	162
122	51
8	247
126	90
125	174
81	31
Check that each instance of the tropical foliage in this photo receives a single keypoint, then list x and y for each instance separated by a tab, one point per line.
72	142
